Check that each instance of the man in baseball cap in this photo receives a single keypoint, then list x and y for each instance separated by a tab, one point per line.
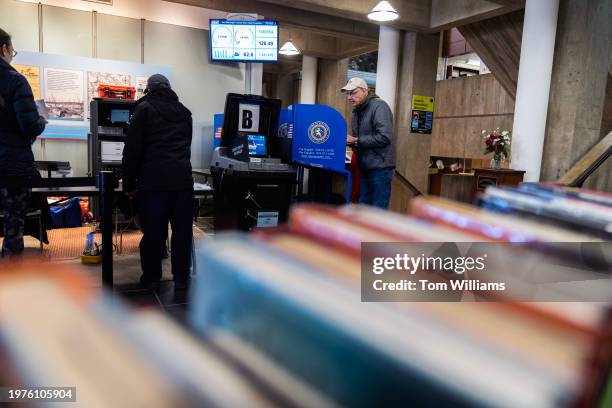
371	137
353	84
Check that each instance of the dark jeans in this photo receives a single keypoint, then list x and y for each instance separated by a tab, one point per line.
14	203
156	208
375	187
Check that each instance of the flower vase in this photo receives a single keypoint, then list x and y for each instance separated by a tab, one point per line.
497	162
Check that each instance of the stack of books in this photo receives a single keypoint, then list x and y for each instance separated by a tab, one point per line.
584	211
56	332
294	294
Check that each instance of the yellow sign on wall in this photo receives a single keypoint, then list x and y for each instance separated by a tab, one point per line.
423	103
32	74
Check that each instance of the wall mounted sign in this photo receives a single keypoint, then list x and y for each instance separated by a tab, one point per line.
421	120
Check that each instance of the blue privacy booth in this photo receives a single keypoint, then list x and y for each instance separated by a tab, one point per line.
310	137
318	138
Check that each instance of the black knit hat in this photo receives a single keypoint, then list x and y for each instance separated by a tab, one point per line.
157	81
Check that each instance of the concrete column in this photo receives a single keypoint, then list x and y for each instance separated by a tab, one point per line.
308	89
577	106
533	87
417	76
285	84
388	59
332	77
308	92
254	78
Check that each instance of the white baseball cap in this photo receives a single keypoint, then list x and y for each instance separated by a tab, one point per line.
353	84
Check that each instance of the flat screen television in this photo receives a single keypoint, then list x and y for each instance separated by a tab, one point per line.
244	41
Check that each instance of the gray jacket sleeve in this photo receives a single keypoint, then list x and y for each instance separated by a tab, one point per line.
382	132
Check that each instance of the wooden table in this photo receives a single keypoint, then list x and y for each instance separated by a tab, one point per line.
488	177
454	186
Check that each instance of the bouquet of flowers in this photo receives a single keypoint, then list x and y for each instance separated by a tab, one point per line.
498	143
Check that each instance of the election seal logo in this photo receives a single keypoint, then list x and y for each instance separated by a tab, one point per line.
318	132
283	130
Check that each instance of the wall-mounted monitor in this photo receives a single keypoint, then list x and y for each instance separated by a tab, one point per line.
244	41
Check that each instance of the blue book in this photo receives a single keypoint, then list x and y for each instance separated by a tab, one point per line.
356	353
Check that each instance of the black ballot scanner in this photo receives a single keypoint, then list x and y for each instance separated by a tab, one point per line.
253	178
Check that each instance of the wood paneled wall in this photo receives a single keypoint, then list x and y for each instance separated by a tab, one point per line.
463	108
497	41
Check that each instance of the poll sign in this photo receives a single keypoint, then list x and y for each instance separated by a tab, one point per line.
319	137
248	117
422	114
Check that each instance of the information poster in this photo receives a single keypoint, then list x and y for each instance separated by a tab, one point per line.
32	74
64	94
141	85
422	114
62	82
96	78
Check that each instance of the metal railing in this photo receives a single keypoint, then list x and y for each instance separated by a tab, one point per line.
408	184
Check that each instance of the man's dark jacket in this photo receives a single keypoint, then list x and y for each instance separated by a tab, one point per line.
157	152
20	123
372	125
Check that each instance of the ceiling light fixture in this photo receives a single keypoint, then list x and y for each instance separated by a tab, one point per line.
289	49
383	11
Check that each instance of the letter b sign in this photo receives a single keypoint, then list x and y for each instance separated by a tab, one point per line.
248	117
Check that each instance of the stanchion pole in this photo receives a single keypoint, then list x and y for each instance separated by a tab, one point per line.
106	189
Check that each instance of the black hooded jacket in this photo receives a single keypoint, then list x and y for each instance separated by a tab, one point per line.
157	152
20	123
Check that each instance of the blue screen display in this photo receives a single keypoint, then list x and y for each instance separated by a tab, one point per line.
120	115
255	41
257	145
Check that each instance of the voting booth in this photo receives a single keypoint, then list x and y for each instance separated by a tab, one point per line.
318	143
109	123
253	186
262	152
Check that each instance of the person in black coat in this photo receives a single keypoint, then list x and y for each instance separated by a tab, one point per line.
156	165
20	124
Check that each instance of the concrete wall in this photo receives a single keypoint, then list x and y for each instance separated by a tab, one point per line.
201	85
159	11
332	77
578	88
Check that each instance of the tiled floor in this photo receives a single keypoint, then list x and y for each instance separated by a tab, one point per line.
166	299
126	274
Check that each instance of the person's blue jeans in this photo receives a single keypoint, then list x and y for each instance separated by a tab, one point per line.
375	187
